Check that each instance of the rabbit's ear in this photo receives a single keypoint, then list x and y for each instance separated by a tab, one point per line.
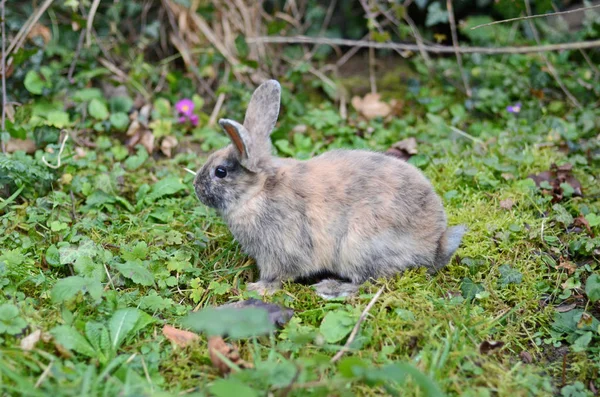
242	142
263	109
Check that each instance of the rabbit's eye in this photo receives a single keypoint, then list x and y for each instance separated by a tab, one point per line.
220	172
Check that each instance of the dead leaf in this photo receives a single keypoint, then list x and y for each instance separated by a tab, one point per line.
178	336
507	204
556	176
584	321
29	342
9	111
570	267
278	315
370	106
217	347
580	221
80	153
487	347
404	149
26	145
526	357
167	144
40	30
565	308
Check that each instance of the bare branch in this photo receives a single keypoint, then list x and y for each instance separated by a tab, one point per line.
436	49
90	22
455	45
536	16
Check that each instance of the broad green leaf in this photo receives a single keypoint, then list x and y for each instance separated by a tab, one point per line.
135	161
236	323
87	94
165	187
58	119
509	275
435	14
279	373
67	288
336	325
582	342
85	266
70	338
35	82
231	387
98	109
136	271
593	219
97	334
122	324
120	104
53	256
119	121
592	287
469	289
350	366
139	251
69	254
10	319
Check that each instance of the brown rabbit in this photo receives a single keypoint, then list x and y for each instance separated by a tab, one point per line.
353	214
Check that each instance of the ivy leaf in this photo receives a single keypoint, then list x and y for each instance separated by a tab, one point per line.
137	272
435	15
509	275
336	325
10	320
97	109
67	288
69	254
470	289
592	287
71	339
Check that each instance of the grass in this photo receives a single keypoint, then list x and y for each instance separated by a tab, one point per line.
166	254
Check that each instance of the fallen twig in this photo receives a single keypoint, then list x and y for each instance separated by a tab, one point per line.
3	66
536	16
436	49
90	22
354	332
452	21
19	39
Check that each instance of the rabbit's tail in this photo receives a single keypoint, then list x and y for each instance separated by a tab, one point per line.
448	245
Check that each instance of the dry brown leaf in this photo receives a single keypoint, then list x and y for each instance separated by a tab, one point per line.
570	267
403	149
487	347
371	106
217	347
584	321
565	308
526	357
80	153
580	221
507	204
557	175
178	336
29	342
167	145
40	30
26	145
9	111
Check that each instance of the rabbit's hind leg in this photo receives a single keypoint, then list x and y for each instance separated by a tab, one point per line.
330	289
264	287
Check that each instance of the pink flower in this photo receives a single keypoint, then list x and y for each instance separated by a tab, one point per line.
185	109
516	108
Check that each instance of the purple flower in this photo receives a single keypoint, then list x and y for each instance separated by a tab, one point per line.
516	108
185	109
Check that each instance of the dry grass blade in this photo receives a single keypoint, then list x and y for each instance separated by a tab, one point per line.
536	16
354	332
436	49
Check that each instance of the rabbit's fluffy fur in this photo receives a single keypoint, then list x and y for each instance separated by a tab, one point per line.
351	213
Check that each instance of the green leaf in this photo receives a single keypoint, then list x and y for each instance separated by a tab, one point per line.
349	367
134	162
582	342
124	323
10	320
165	187
58	119
592	287
509	275
35	82
97	334
435	14
136	271
336	325
67	288
236	323
139	251
71	339
85	266
120	104
119	120
57	226
231	387
562	215
52	256
97	109
69	254
87	94
470	289
593	219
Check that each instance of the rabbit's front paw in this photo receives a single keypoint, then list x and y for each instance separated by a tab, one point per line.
264	287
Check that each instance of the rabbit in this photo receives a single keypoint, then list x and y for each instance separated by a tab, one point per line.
354	214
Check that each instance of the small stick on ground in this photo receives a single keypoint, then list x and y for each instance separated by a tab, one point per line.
356	328
536	16
455	45
90	22
549	64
